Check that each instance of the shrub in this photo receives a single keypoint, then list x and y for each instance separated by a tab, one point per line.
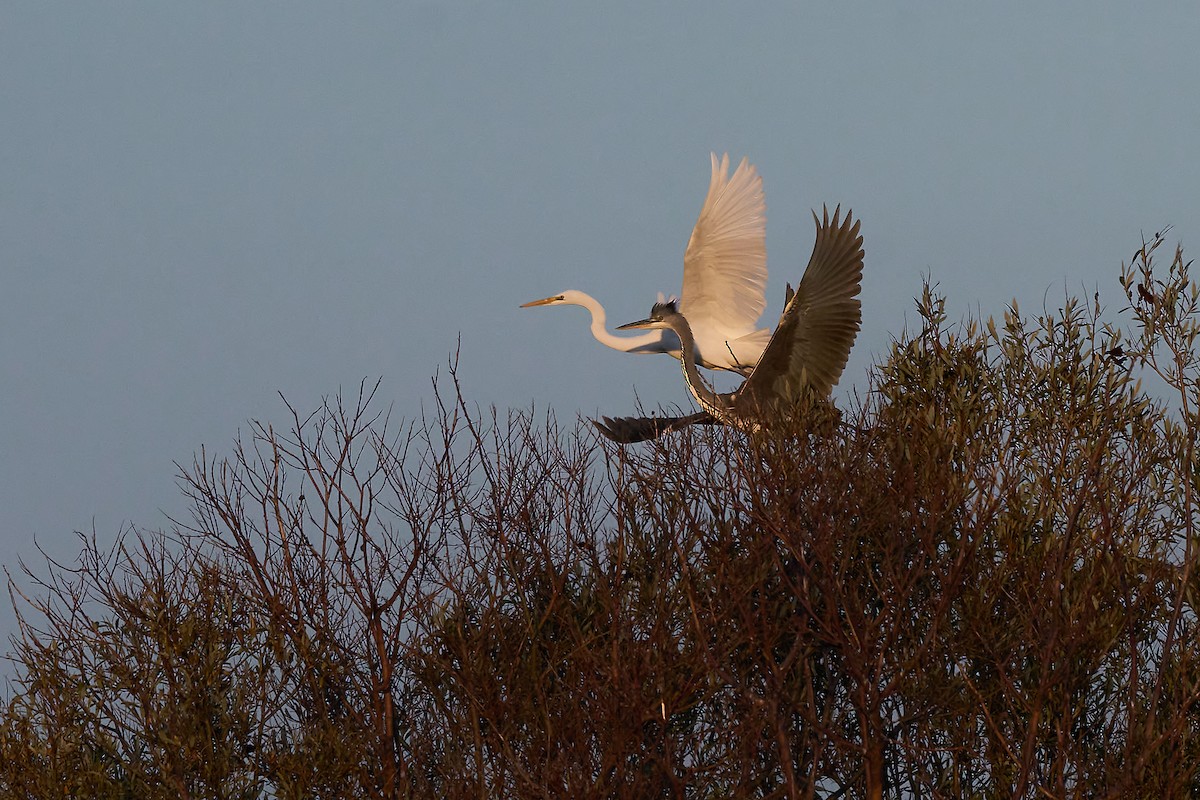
975	580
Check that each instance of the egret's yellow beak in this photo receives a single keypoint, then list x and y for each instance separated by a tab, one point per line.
545	301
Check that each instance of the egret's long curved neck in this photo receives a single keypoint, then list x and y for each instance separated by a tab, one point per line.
709	400
625	344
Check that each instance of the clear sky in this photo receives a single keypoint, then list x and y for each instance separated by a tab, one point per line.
204	204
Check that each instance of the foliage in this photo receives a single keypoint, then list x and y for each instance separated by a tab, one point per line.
977	581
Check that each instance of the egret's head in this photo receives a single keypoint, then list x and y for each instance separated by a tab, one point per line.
567	298
658	316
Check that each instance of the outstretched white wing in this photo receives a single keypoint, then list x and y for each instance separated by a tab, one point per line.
725	265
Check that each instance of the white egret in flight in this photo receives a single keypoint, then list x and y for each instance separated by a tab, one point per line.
808	350
724	279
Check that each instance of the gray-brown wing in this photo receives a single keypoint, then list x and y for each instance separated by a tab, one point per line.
821	320
629	430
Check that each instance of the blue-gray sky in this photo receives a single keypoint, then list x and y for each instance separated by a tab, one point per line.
204	204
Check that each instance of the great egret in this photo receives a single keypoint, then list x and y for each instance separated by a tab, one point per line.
724	279
809	348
